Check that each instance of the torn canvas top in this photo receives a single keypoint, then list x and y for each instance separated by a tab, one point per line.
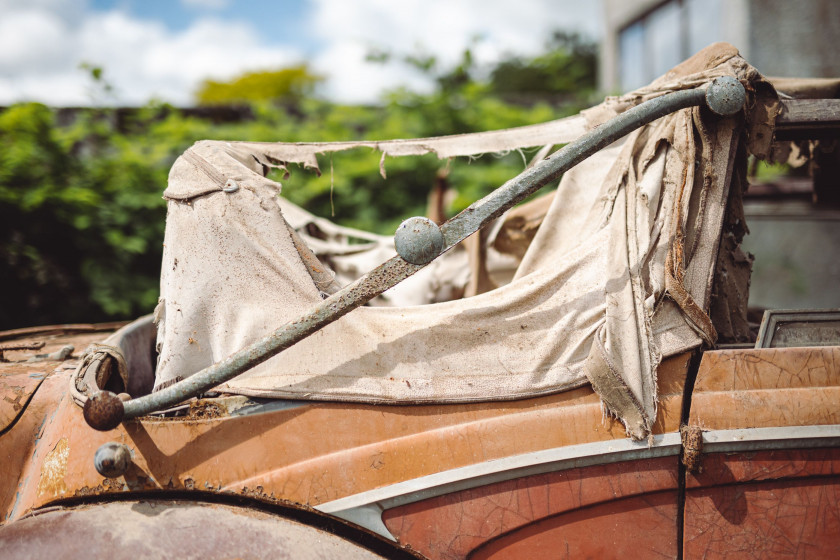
617	277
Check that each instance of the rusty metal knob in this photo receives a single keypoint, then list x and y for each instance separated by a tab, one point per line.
112	459
418	240
104	411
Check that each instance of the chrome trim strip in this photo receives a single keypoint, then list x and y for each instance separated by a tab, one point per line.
365	509
765	439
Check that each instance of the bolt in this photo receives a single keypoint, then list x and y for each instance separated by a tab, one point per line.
725	96
418	240
112	459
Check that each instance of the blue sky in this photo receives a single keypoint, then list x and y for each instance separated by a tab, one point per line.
164	49
278	22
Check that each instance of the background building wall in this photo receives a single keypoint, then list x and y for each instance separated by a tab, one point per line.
643	38
795	38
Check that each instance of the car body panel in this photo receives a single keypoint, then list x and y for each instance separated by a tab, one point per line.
767	504
755	503
454	525
507	493
313	453
755	388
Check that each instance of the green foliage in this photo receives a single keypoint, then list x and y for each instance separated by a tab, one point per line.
287	84
81	213
565	72
767	172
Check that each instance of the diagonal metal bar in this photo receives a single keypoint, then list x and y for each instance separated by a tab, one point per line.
104	411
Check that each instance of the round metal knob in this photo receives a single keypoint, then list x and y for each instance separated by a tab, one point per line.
112	459
103	411
418	240
725	96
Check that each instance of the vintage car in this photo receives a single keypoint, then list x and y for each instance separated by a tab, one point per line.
603	391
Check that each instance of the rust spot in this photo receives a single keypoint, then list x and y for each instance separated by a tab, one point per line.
692	453
203	410
108	485
88	491
257	493
192	340
54	469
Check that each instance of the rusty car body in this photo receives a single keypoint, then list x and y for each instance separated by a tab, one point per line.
741	460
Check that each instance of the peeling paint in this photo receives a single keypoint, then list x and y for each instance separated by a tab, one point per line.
54	470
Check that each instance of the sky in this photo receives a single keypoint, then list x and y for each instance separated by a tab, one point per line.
164	49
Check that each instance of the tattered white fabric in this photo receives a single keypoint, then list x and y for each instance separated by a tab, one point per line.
444	279
617	277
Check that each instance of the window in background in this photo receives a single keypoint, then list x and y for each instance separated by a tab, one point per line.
662	38
633	61
704	19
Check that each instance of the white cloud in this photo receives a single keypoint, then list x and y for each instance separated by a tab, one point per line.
32	38
440	27
66	10
43	43
143	59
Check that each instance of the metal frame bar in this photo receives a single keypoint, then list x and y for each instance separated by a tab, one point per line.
725	96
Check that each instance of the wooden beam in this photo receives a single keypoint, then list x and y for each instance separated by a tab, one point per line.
808	118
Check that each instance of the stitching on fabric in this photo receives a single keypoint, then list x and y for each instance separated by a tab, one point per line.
204	166
363	398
